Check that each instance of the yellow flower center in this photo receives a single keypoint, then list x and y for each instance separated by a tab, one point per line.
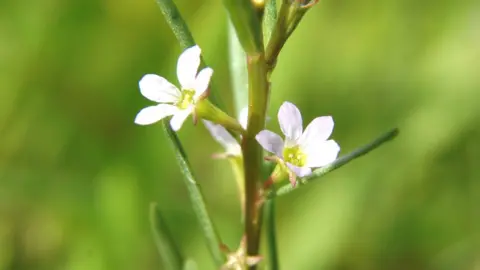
186	99
294	156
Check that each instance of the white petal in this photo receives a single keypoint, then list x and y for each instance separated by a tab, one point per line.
187	67
202	81
221	135
179	117
290	121
299	171
322	153
158	89
152	114
243	117
318	130
271	142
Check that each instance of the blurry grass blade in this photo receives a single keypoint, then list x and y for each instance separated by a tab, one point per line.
184	36
238	70
271	234
269	19
196	197
176	23
247	25
287	188
169	253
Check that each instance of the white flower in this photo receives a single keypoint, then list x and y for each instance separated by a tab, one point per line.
172	101
301	150
223	137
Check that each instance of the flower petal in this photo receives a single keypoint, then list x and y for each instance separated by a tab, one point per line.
271	142
179	117
318	130
152	114
243	117
322	153
221	135
158	89
187	67
290	121
299	171
202	81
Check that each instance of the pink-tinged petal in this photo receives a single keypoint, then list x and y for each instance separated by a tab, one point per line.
152	114
321	154
202	81
299	171
243	117
270	141
318	130
178	118
158	89
187	67
221	135
290	121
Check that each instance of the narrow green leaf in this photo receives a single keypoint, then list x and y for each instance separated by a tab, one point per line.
271	234
184	37
238	70
247	25
287	188
269	20
176	23
196	197
168	251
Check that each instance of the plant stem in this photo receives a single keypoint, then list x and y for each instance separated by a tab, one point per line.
249	33
252	152
287	188
290	15
196	198
271	234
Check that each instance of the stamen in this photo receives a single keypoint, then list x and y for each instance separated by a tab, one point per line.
294	156
186	99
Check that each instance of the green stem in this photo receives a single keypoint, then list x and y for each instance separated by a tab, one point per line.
252	152
168	251
248	29
196	197
184	36
271	234
290	15
287	188
206	110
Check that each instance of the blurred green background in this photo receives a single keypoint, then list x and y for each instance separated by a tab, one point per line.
77	175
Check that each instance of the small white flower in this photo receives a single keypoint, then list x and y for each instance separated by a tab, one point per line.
301	150
172	101
223	137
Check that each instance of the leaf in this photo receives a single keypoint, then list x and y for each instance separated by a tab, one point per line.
168	251
196	197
